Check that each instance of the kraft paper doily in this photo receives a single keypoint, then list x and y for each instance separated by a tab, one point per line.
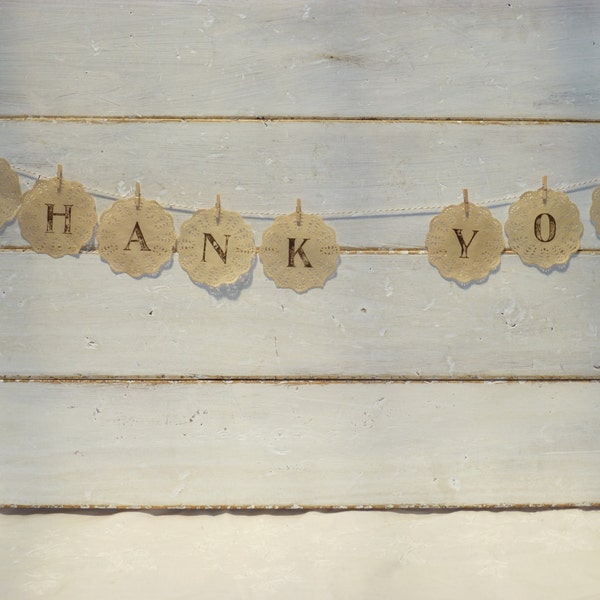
136	236
216	247
10	193
66	226
595	210
465	243
544	228
300	255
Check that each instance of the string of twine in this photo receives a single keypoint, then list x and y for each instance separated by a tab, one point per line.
341	214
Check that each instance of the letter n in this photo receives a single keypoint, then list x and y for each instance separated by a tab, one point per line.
51	214
463	245
222	253
139	237
299	251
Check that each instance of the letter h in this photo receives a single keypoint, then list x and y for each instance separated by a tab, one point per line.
51	214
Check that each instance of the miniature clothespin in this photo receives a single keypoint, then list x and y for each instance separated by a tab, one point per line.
59	176
545	188
218	207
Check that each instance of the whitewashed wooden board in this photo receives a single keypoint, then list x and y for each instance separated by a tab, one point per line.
181	97
381	316
351	106
410	59
259	445
333	167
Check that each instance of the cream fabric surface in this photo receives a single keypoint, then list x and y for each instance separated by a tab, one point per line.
185	555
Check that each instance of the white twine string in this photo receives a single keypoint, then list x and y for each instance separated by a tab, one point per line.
341	214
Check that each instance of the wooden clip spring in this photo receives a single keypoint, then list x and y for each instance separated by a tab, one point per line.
298	211
466	202
59	176
138	197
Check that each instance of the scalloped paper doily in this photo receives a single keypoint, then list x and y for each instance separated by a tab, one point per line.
595	209
136	236
301	255
10	193
216	247
57	217
544	228
465	244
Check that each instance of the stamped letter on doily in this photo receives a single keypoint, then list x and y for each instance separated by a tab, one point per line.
57	217
465	242
136	236
544	228
216	247
299	251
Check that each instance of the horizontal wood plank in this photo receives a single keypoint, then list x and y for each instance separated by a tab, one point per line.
380	316
538	59
334	167
310	445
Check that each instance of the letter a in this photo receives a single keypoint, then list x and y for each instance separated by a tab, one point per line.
139	238
463	246
300	252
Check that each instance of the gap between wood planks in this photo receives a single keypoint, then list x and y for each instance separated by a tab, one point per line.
348	250
298	508
295	119
290	380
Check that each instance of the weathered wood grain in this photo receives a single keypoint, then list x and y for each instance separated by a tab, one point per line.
282	445
417	59
361	90
350	167
382	315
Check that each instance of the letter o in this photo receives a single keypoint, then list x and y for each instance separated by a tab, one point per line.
537	227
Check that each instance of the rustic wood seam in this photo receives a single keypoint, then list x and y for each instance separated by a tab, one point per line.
348	250
254	508
458	120
290	380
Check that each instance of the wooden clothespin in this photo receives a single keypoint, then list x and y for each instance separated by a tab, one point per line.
545	188
218	207
59	176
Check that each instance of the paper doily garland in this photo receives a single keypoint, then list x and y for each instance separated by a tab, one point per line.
136	236
595	210
465	243
216	247
10	193
299	251
544	228
57	217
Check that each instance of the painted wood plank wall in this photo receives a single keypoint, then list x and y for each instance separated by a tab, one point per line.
389	387
381	316
486	96
336	167
475	59
301	445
